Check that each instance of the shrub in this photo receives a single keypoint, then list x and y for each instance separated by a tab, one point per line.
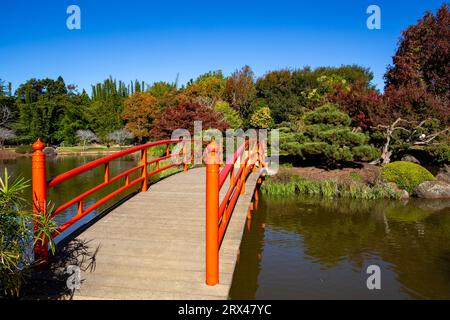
290	141
158	151
261	119
406	175
16	234
327	114
365	153
343	136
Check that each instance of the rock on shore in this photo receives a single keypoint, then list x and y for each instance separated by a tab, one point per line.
432	190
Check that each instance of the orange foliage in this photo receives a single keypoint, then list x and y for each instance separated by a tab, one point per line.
140	110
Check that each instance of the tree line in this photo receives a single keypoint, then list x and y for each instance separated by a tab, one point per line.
416	91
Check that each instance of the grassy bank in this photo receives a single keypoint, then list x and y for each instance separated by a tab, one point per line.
296	185
88	149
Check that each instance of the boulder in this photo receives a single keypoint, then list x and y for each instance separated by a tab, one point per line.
444	174
410	158
432	190
49	151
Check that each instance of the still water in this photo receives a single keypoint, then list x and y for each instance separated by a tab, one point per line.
69	189
309	248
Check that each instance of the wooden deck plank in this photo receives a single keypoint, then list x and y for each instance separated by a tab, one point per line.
153	245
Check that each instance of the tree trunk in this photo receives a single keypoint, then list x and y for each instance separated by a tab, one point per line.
386	153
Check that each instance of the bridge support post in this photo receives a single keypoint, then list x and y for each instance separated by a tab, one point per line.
39	195
144	170
243	166
185	157
212	217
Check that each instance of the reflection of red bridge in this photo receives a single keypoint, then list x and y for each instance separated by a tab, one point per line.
158	244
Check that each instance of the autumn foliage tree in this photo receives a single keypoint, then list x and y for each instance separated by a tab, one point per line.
240	90
419	79
140	110
183	116
415	103
423	55
360	103
164	92
207	89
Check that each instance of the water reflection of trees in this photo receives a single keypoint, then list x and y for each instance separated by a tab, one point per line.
412	237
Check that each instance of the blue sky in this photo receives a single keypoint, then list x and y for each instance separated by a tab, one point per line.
156	40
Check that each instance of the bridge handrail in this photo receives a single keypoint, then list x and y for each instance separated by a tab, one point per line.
98	162
40	185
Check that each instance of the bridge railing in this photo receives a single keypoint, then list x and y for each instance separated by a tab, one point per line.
40	185
218	211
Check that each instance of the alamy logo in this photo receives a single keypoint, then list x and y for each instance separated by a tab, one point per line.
74	20
374	280
374	20
74	280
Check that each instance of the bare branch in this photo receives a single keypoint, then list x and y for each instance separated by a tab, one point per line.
86	136
121	136
5	115
390	129
6	134
431	137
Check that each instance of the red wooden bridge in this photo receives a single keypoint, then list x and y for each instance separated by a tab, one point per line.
178	238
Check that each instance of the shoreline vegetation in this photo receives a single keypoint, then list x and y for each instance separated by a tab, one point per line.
328	189
361	183
396	180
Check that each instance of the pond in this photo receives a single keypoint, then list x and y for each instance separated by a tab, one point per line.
309	248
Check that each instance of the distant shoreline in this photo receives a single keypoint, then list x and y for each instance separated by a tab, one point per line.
10	153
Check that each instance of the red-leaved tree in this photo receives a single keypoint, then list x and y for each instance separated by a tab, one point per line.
423	56
415	103
183	116
363	104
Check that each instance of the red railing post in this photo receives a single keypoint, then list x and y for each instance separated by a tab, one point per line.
106	174
212	216
185	157
144	170
39	195
262	155
244	158
254	155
